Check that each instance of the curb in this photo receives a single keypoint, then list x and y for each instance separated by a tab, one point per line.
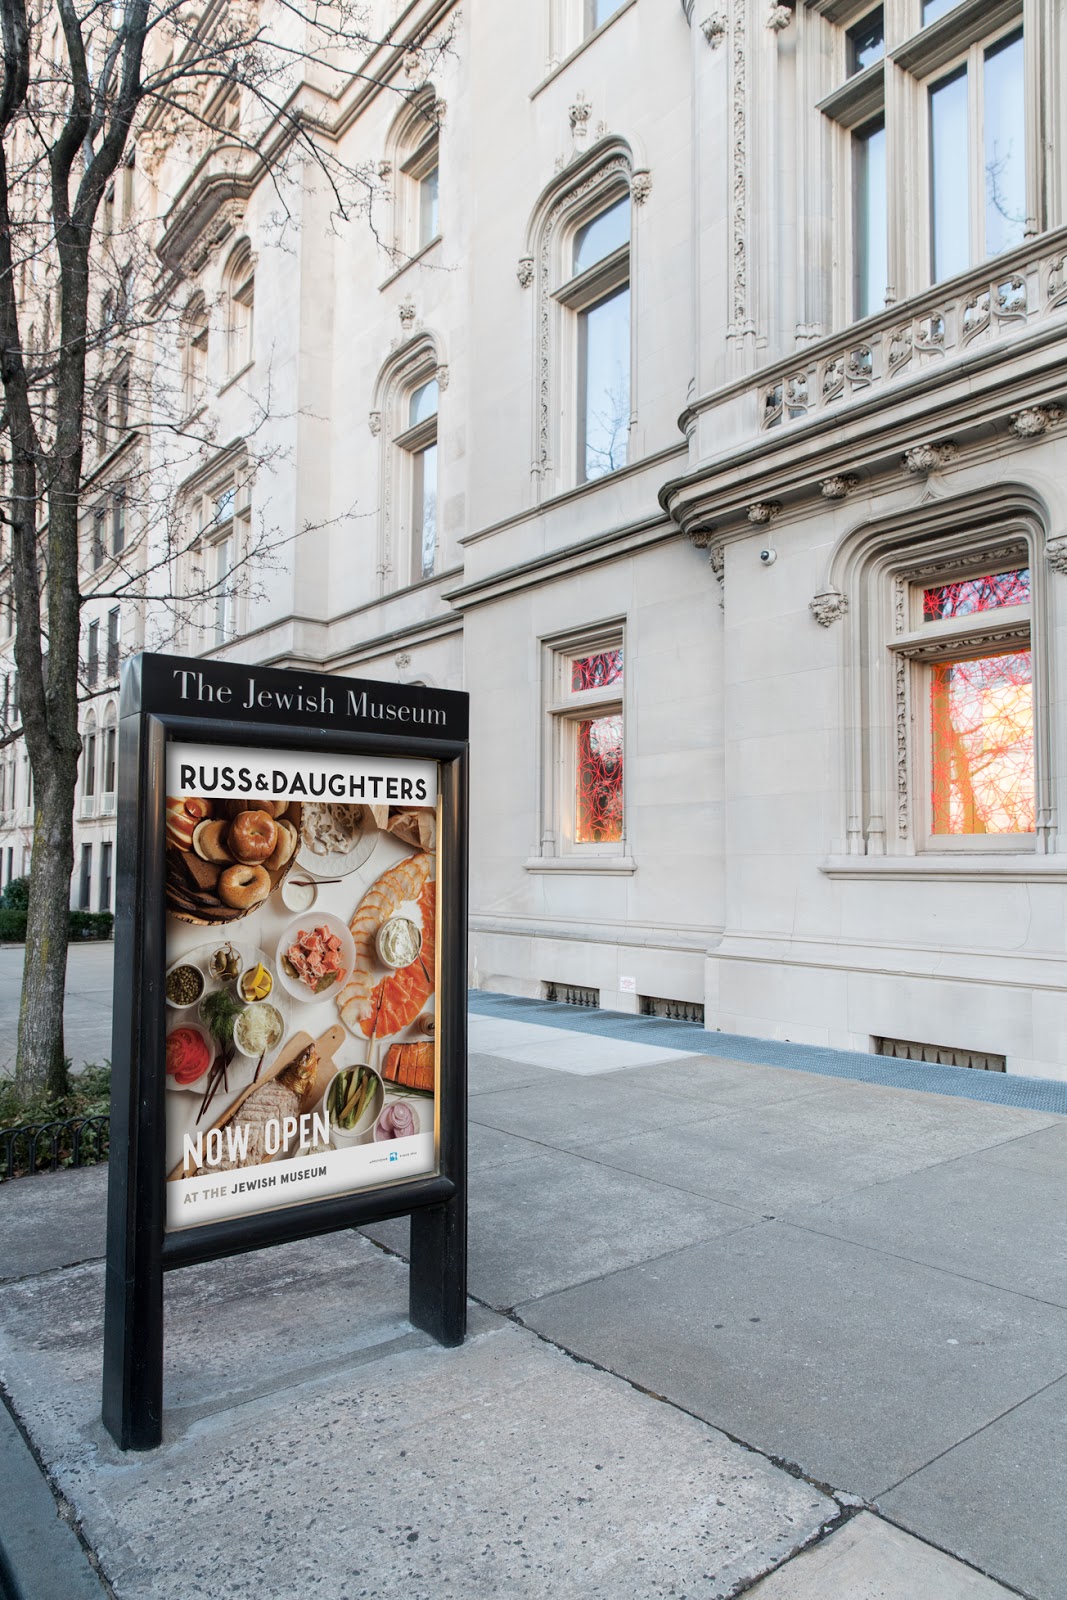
40	1556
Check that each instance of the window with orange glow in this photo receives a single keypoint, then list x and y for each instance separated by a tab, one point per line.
982	745
598	786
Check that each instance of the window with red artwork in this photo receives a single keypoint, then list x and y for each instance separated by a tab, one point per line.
972	690
586	811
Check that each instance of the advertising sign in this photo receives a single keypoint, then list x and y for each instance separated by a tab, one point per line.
289	1021
301	895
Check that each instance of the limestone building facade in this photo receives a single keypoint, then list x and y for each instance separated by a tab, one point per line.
694	395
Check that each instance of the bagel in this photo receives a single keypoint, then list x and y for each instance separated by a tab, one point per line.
283	850
180	824
252	837
209	841
273	808
244	886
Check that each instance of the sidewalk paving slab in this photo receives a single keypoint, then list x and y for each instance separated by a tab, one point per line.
858	1367
997	1499
314	1443
869	1559
40	1555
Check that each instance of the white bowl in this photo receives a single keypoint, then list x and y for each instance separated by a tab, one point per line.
342	1138
252	1006
290	890
176	1005
381	1138
296	986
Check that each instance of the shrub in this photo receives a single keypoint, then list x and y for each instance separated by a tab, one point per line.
16	896
91	924
83	925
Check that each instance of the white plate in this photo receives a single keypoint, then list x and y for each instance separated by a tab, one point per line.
339	863
296	987
236	1072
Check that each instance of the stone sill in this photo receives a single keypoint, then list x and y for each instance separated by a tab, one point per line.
948	869
611	866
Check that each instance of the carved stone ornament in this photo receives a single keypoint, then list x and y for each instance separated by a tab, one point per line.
375	422
1032	422
407	315
441	374
640	186
412	62
403	660
579	114
525	271
828	607
385	170
838	488
702	538
714	29
764	511
1056	553
780	17
924	458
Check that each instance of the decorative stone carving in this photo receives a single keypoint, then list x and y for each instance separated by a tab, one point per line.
702	538
375	423
385	170
780	17
975	315
640	186
407	315
925	458
1056	553
796	392
714	29
402	660
525	271
579	114
1033	421
838	488
412	62
828	607
441	374
1012	299
1057	281
764	511
833	378
739	172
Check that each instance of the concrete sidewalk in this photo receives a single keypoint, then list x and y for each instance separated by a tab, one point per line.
724	1310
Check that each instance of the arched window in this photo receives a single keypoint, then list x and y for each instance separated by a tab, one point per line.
415	149
580	256
407	398
110	757
194	352
239	290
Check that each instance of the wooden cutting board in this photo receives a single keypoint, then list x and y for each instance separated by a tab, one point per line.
325	1046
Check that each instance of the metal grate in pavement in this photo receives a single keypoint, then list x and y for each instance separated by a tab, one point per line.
1002	1089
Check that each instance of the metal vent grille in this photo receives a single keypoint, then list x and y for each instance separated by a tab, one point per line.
653	1005
940	1055
572	994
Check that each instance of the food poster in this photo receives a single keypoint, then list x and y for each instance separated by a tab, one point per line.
301	1056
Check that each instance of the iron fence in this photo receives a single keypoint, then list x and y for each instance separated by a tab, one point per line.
31	1147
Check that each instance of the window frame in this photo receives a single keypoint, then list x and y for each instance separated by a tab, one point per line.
564	709
575	295
887	730
218	618
239	279
897	88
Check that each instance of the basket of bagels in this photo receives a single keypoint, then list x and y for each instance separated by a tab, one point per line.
225	857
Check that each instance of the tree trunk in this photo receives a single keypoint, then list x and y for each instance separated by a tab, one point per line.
41	1054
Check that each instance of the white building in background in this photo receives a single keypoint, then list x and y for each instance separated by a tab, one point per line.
695	403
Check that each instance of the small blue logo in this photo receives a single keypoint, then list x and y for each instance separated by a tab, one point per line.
394	1155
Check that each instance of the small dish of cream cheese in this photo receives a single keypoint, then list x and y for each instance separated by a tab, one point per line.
399	942
299	895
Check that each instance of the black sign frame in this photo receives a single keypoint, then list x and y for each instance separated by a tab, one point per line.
139	1249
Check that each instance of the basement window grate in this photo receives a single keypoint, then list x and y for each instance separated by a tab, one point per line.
940	1055
653	1005
572	994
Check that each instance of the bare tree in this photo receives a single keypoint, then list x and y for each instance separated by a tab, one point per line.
83	79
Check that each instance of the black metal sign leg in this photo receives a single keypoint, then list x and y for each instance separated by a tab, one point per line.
438	1292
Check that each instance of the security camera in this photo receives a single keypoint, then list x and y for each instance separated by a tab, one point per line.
768	557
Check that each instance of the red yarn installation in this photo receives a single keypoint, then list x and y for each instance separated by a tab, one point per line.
973	595
599	781
982	745
596	672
